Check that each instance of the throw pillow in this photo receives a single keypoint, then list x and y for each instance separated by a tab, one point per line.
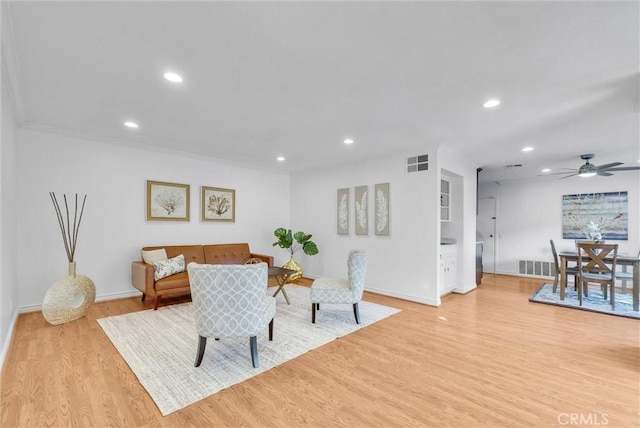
164	268
150	256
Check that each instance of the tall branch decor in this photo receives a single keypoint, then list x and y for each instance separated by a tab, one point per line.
68	298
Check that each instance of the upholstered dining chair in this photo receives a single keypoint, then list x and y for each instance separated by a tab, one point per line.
593	268
570	270
347	291
231	301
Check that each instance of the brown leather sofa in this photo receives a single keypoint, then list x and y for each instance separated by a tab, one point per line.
143	279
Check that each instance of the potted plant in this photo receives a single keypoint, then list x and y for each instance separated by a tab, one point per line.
294	242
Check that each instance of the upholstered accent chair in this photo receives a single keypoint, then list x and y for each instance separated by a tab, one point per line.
231	301
348	291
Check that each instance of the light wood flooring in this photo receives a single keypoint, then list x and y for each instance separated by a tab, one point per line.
489	358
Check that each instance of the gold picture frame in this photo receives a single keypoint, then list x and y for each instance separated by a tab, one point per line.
218	204
167	201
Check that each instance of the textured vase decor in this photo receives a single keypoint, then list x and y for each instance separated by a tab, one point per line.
68	298
294	242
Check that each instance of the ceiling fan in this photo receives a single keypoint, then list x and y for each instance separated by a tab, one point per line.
589	169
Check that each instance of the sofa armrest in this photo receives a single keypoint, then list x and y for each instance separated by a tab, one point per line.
142	277
267	259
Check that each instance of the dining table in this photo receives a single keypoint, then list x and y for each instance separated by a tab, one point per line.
621	260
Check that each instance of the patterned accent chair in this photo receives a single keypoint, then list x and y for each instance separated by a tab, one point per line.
348	291
231	301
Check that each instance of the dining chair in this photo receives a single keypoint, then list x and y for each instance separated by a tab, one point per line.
230	301
593	268
570	270
625	276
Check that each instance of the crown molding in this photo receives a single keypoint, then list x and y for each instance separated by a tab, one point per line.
156	148
10	68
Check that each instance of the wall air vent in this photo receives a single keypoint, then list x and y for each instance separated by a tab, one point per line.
536	268
515	165
418	163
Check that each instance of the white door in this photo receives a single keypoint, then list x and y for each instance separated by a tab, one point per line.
486	230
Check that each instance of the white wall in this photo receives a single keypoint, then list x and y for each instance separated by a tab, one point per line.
530	213
8	256
114	226
404	264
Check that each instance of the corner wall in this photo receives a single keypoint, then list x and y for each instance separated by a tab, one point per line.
114	226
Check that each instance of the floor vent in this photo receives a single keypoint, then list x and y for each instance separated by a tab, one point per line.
418	163
536	268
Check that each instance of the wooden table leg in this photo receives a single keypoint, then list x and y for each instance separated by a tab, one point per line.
636	284
563	276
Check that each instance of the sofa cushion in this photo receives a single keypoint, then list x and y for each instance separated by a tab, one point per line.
177	281
226	254
165	268
150	256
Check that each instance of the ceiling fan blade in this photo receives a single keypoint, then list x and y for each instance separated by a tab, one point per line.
608	165
571	175
624	168
558	173
604	173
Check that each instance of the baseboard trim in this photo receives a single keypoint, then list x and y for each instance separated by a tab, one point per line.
7	342
403	296
100	298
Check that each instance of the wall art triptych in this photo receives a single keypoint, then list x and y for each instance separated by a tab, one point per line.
361	208
171	202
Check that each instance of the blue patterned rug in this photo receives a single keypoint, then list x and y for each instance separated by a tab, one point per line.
594	303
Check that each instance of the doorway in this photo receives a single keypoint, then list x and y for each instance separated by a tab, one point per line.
486	231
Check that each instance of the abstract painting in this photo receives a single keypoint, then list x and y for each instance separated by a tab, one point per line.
595	216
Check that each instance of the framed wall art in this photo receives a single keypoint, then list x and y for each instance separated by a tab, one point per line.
167	201
596	216
218	204
361	202
342	213
382	209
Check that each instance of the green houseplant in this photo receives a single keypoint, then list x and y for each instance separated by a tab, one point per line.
294	242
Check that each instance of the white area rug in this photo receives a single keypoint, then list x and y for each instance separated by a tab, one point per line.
160	346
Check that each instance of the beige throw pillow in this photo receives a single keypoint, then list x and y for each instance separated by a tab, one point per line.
151	256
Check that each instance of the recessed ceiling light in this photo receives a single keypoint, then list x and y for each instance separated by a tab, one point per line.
546	170
491	103
130	124
173	77
348	141
280	159
527	149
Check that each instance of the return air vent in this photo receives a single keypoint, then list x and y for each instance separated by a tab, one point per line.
514	165
536	268
418	163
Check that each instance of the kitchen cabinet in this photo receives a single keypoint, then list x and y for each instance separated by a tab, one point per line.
448	268
445	200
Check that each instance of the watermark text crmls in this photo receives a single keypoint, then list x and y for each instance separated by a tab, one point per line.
591	419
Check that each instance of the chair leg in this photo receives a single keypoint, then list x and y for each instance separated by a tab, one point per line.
356	312
555	283
613	300
144	296
202	344
155	306
271	329
575	283
253	345
313	313
580	287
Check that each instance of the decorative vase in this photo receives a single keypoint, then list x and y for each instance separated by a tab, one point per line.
68	298
293	265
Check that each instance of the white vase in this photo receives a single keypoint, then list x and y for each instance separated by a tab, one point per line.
68	298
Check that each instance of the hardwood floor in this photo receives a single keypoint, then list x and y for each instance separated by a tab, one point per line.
489	358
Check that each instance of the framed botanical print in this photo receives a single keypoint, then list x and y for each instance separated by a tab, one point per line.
362	210
218	204
342	213
167	201
382	209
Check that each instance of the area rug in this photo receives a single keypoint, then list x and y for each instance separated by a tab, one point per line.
594	302
160	346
